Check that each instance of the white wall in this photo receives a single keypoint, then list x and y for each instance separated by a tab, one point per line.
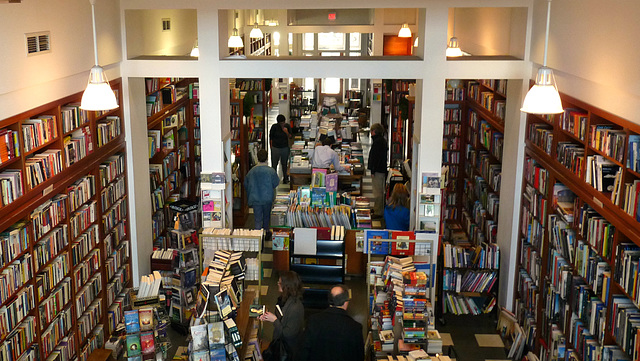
146	37
30	81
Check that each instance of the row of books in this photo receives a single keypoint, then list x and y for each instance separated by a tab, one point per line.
82	218
232	240
77	145
112	193
481	256
108	129
469	280
610	141
571	155
42	167
81	191
9	145
73	117
82	245
574	121
11	186
463	305
541	134
48	215
38	132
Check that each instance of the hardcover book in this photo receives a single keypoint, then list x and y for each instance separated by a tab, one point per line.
146	319
199	337
147	343
132	321
215	333
133	345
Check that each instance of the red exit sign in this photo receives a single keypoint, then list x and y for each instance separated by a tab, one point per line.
331	16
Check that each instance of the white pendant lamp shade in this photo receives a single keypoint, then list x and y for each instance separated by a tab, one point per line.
98	95
235	41
453	49
256	33
404	32
543	97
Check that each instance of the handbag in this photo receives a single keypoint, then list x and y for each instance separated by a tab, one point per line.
277	350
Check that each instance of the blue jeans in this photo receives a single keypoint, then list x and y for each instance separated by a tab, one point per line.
280	155
262	215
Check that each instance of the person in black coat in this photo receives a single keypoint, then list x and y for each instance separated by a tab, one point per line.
332	334
378	167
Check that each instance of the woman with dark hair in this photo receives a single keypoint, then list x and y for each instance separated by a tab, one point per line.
288	317
396	213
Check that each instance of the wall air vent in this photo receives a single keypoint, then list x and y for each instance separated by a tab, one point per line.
38	43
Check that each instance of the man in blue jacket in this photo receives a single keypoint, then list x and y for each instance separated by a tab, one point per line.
260	184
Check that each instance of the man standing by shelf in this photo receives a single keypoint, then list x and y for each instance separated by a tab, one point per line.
378	167
332	334
260	183
279	135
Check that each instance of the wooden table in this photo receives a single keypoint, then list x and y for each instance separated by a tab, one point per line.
302	179
244	322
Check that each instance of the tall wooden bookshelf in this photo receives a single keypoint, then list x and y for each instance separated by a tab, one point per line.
239	160
579	234
399	124
255	91
472	151
64	221
173	153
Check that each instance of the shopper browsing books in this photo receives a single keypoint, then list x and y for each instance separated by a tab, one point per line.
323	156
288	316
332	334
396	213
279	140
378	167
260	184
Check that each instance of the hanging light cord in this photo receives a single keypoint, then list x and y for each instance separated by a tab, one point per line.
546	35
93	19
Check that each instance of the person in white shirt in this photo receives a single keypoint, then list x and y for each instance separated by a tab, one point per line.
323	156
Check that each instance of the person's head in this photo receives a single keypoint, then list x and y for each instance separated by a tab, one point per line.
377	129
289	285
399	196
327	141
262	155
339	296
280	118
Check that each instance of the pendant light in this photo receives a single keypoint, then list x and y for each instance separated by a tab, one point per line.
453	48
98	95
195	52
404	32
543	97
256	33
235	41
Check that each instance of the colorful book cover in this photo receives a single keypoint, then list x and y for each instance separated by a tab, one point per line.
201	355
218	354
133	345
131	321
215	333
147	343
331	182
403	248
199	337
146	319
376	247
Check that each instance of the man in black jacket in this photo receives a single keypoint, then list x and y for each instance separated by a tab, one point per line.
378	167
332	334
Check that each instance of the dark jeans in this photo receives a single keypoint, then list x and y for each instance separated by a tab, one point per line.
262	215
280	155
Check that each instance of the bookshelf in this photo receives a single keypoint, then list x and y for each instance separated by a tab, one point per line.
301	102
62	228
239	160
472	154
399	124
174	147
255	92
583	227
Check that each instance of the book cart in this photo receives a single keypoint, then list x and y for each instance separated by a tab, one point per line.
402	315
